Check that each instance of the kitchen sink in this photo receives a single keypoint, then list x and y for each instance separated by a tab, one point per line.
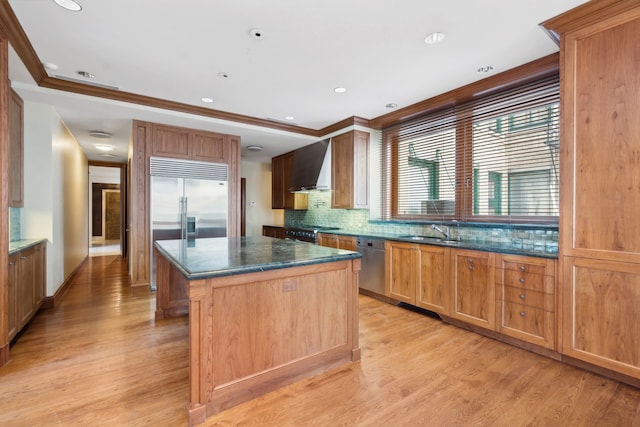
427	239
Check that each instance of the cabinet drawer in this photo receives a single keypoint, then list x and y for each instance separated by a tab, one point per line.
525	267
526	297
533	281
532	321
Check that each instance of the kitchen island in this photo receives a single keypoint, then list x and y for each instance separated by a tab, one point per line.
263	313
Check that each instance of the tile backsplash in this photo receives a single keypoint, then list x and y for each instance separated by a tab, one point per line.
14	224
535	238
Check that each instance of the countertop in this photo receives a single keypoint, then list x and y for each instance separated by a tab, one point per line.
224	256
499	247
20	245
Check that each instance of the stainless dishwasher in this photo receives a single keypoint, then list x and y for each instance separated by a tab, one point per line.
372	269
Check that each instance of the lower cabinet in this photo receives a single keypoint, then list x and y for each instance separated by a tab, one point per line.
27	282
473	287
272	231
525	299
337	241
514	295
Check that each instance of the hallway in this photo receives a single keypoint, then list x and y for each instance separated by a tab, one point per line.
100	359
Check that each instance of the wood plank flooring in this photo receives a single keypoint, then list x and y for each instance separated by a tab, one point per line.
100	359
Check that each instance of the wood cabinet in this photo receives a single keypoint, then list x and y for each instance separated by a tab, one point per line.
401	262
472	277
350	170
434	291
599	163
337	241
27	282
272	231
281	197
189	144
526	299
16	150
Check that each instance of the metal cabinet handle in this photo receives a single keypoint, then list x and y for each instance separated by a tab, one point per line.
23	257
471	267
522	296
522	268
522	280
11	263
523	314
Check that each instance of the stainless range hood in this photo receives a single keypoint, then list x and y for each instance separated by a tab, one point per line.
311	168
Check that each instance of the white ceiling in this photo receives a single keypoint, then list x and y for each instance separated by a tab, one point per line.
174	50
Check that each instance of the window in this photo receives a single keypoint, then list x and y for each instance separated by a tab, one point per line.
492	159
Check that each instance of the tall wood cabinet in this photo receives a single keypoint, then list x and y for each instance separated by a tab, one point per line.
600	187
281	197
350	170
16	150
156	139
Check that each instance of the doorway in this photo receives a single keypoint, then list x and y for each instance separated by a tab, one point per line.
105	209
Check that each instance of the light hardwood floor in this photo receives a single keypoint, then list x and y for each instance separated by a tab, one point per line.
99	359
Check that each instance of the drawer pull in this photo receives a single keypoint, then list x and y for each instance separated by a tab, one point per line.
522	296
522	280
11	263
471	267
522	268
23	257
523	314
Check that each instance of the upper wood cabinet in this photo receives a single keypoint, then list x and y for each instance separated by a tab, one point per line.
350	170
273	231
281	197
189	144
600	188
16	150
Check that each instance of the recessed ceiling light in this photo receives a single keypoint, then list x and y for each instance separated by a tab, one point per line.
69	5
50	66
85	74
485	69
224	75
391	105
340	90
107	155
256	34
104	147
254	148
206	100
434	38
289	118
100	134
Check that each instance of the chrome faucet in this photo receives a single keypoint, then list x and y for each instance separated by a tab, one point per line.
444	232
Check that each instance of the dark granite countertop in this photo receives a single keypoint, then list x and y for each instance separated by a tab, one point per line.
224	256
22	244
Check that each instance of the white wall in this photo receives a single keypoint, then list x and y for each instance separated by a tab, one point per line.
258	194
55	192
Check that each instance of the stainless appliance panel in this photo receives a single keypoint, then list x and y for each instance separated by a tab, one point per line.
372	267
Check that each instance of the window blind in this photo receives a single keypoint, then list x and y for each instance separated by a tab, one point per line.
491	159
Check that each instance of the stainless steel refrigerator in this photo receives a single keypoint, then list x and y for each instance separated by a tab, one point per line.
189	200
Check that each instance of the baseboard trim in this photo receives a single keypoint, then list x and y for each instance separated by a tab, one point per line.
50	301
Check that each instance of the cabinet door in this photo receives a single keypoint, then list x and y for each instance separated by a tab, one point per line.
328	240
473	287
601	319
277	182
170	142
39	275
434	290
401	265
25	288
350	170
348	243
16	151
12	295
208	147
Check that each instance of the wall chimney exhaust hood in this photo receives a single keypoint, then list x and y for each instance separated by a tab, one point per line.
311	168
